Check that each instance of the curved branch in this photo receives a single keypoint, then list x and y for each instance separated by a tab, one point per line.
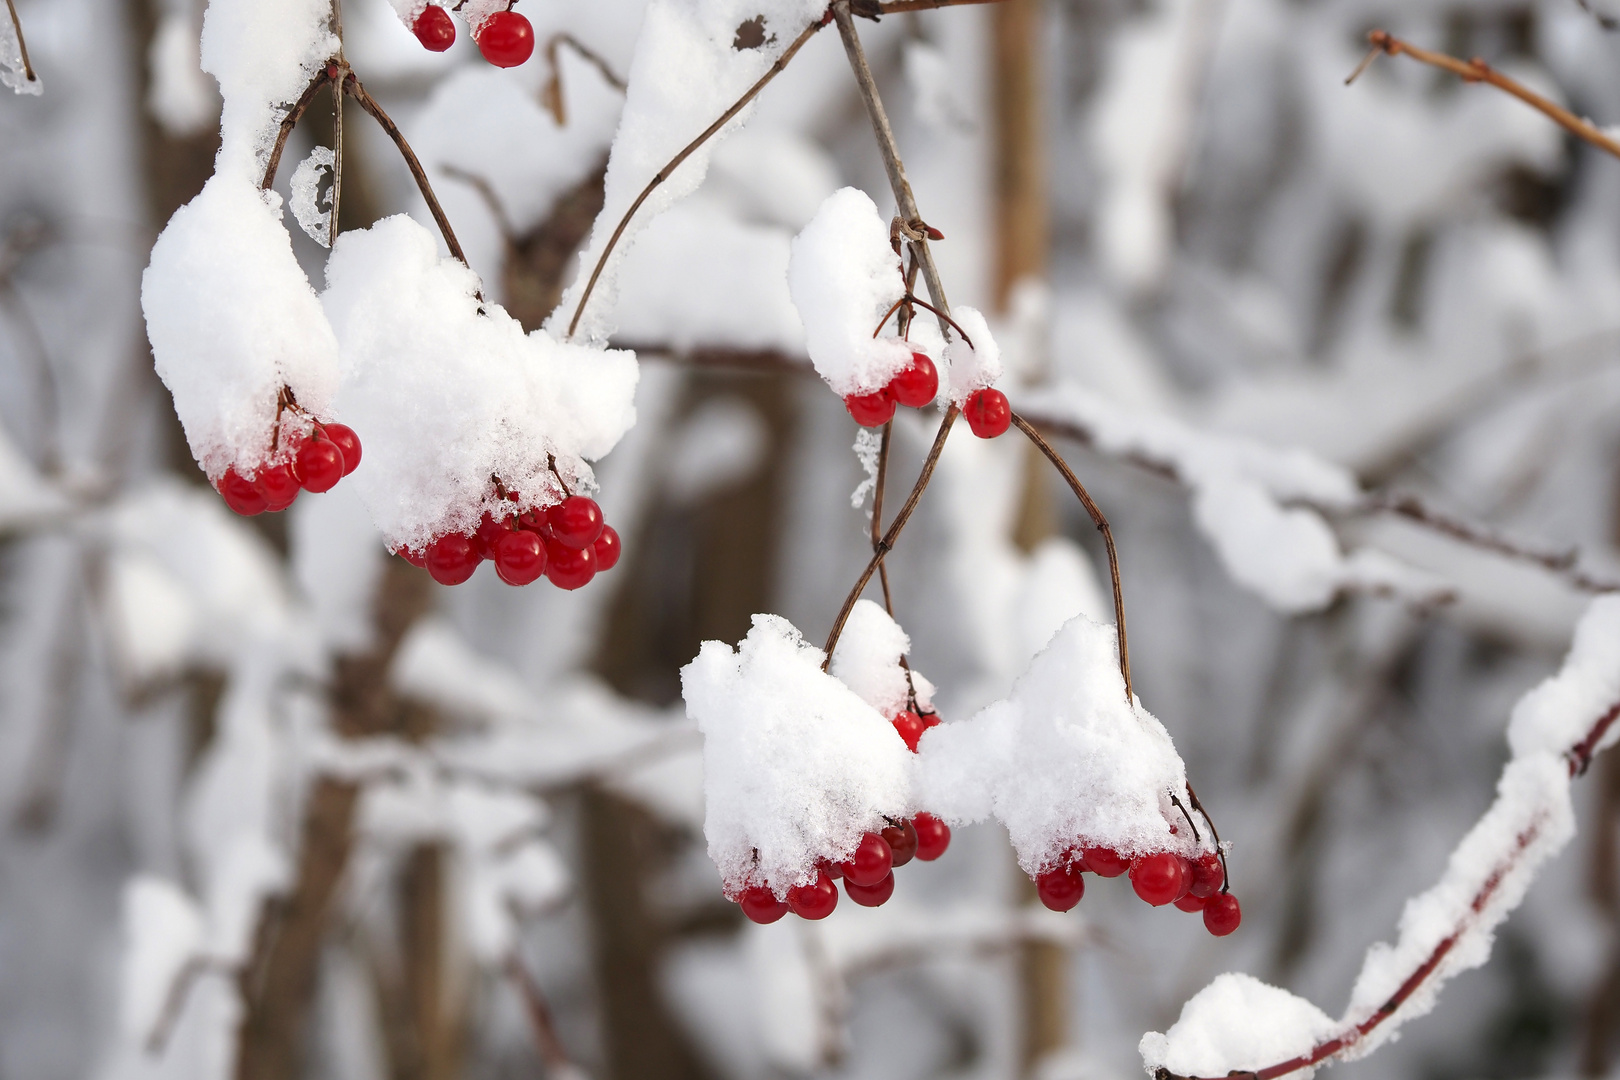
327	74
369	103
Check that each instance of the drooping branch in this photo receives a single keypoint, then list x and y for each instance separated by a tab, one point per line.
419	174
1477	70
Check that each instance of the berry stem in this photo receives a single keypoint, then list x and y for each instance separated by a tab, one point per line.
22	43
1102	526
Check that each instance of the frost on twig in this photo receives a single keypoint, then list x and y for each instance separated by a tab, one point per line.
15	69
868	446
314	213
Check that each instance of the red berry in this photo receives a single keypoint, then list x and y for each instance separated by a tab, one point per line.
1208	875
1105	862
761	905
1061	887
348	442
902	841
489	531
930	720
576	521
910	726
1192	903
815	900
871	895
417	559
569	567
830	869
608	549
988	413
933	837
918	384
519	557
1160	878
872	859
505	38
1222	914
870	410
278	485
241	494
452	559
435	29
535	521
319	465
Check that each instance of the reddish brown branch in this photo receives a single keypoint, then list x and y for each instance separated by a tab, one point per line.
1477	70
539	1013
369	103
22	42
327	74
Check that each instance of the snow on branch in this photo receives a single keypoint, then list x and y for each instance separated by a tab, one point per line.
1240	1026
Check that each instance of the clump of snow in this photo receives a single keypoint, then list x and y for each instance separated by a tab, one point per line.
970	367
448	391
1063	760
688	69
314	215
1236	1024
232	320
1556	714
843	277
796	766
868	448
867	660
163	932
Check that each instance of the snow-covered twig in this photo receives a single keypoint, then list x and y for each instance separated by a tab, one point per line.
22	42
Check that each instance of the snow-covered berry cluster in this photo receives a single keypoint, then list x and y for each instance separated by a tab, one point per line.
569	543
505	38
868	873
312	459
1159	878
916	385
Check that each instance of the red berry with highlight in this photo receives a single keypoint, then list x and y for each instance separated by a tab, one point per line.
871	410
435	29
452	559
902	841
1159	878
347	441
607	548
910	726
988	413
871	895
1192	903
519	557
505	38
1222	914
569	567
871	860
918	384
319	465
488	534
933	836
576	521
1105	862
1061	887
241	494
761	905
1208	875
278	485
815	900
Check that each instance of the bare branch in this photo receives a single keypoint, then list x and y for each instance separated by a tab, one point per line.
369	103
22	42
539	1013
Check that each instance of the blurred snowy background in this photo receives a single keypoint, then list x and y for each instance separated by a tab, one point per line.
274	805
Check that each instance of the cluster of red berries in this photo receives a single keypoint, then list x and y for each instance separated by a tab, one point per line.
1160	878
319	460
569	543
505	38
916	386
868	873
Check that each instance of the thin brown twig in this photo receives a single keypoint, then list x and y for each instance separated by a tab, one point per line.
877	511
419	174
22	42
337	161
328	73
586	53
687	151
1477	70
539	1013
174	1001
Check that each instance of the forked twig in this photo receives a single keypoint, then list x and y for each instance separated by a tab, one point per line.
1477	70
22	42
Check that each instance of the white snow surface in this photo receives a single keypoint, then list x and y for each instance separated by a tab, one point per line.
796	766
685	73
314	215
163	931
446	391
843	276
232	319
1486	877
1063	760
970	367
867	660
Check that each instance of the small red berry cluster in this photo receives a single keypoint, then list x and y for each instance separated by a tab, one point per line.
505	38
317	460
1160	878
868	873
569	543
915	387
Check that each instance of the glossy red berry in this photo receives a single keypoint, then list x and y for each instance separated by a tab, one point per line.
871	860
241	494
318	465
1222	914
348	442
761	905
902	841
910	726
1105	862
278	485
930	720
815	900
933	836
576	521
1161	878
505	38
417	559
871	410
487	535
569	567
1192	903
918	384
1061	887
435	29
988	413
452	559
519	557
608	549
871	895
1208	875
830	869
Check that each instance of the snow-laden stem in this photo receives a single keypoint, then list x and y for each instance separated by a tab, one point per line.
1101	522
22	42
